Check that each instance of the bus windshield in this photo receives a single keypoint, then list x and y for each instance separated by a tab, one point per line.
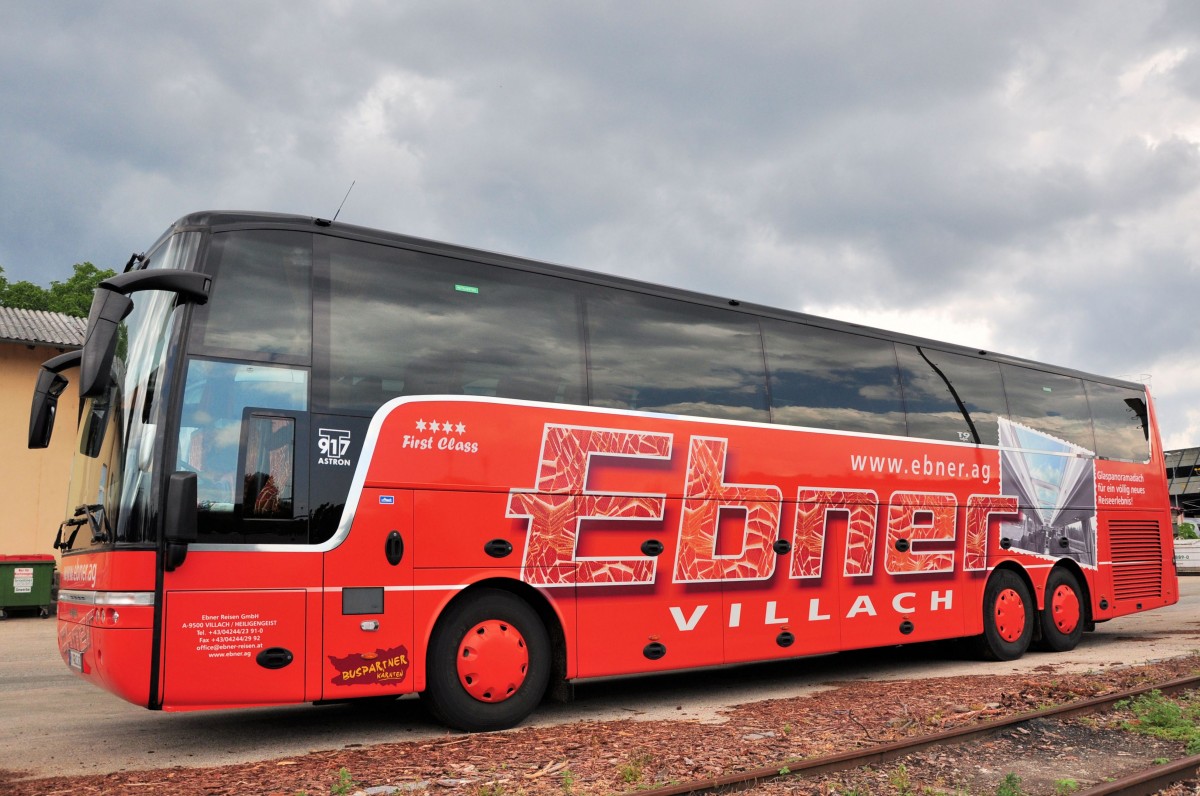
111	481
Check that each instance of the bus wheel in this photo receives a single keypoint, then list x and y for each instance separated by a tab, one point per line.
488	662
1063	617
1008	617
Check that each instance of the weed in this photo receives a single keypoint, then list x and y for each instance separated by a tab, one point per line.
568	780
1009	786
1063	787
345	783
901	781
633	771
1155	714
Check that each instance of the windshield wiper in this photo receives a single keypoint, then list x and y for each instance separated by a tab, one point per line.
59	544
91	515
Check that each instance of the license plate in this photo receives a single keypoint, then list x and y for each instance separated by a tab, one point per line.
75	659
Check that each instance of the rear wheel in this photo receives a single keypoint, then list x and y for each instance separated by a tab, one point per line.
1008	617
488	662
1062	618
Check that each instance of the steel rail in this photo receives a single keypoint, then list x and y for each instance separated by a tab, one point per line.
882	753
1148	782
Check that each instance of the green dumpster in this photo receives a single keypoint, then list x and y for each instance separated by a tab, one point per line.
25	582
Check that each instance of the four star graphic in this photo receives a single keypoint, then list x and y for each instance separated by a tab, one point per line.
445	426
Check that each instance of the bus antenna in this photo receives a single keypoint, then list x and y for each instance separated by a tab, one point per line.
344	198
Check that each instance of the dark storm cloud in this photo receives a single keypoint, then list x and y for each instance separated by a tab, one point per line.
1022	171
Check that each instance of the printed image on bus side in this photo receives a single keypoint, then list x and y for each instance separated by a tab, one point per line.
317	461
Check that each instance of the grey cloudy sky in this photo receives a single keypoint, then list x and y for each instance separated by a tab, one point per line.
1017	176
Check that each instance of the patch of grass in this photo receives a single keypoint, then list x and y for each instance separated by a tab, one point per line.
1009	786
1163	717
901	781
1063	787
634	769
345	783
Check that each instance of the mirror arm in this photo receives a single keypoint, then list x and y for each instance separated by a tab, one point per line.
188	285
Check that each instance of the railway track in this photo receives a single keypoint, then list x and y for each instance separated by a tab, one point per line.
1141	783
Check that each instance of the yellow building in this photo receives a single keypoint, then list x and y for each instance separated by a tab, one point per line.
33	483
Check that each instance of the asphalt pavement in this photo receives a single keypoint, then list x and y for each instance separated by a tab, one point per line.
57	724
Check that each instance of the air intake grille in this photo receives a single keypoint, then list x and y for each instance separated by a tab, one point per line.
1137	557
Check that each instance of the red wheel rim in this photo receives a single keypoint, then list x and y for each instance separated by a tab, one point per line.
1010	615
492	661
1064	609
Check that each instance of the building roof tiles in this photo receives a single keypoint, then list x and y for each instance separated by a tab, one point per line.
38	327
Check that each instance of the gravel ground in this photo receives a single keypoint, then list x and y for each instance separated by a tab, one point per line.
606	757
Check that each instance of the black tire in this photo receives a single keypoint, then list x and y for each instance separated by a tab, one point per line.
505	692
1008	617
1065	613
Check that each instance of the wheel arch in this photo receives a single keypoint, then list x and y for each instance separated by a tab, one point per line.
1019	571
547	611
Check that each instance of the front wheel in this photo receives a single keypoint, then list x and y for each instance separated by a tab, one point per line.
1063	617
1008	617
488	663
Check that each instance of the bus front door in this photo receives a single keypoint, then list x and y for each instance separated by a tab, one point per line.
240	611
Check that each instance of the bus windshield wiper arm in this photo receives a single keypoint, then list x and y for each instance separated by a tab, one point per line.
93	515
75	522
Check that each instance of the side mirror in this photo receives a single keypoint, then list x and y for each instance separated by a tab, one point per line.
49	387
109	308
179	518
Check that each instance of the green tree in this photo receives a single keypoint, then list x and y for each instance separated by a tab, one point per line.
22	295
73	297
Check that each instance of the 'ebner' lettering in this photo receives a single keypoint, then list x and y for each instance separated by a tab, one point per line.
921	529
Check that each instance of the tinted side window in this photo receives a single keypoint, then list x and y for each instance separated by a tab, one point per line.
1050	403
932	379
661	355
261	302
1120	419
829	379
407	323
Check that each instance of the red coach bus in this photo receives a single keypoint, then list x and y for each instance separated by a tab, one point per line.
318	462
